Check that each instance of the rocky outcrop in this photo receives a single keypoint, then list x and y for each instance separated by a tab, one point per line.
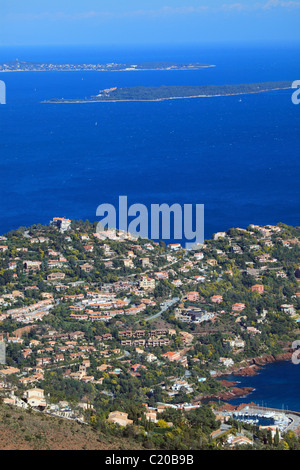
284	356
247	371
256	363
234	392
228	407
227	383
269	358
261	361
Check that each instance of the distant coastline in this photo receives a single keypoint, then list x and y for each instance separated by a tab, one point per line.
26	66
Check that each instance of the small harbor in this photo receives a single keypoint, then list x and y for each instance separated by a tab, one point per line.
284	420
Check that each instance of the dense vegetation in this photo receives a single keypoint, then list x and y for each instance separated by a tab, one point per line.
150	93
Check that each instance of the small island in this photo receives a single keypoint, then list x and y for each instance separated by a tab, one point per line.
148	93
26	66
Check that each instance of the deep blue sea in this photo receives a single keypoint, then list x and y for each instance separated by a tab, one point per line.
276	386
237	156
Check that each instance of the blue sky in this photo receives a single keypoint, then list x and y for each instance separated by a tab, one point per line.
61	22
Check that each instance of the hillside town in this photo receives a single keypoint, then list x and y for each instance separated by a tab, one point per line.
120	333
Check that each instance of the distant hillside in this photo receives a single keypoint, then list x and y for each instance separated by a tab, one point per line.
22	430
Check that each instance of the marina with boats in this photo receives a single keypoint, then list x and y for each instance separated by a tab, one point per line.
284	420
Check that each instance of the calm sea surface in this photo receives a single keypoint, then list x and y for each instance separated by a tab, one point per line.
276	386
237	155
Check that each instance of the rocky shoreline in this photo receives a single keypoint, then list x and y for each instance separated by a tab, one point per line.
230	394
233	392
252	368
255	364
